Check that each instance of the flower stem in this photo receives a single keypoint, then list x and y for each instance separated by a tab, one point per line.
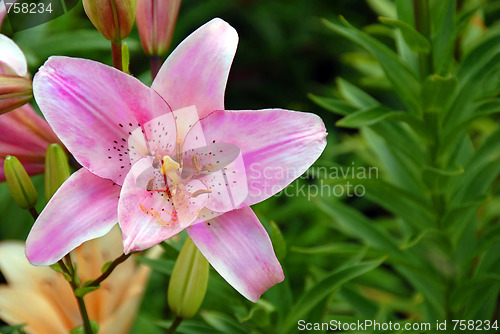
85	317
175	324
81	303
110	269
154	65
116	52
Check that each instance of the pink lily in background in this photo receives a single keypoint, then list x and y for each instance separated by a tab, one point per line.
167	158
26	135
155	23
23	132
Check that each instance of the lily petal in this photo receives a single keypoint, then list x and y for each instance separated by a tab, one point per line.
238	247
84	208
104	105
196	72
277	145
20	306
12	56
146	217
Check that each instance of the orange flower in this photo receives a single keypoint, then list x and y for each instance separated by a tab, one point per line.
41	299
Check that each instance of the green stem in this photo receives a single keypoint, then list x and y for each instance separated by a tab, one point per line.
423	26
116	52
110	269
175	324
79	300
85	317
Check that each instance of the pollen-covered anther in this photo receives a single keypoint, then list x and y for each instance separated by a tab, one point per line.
178	150
196	163
200	192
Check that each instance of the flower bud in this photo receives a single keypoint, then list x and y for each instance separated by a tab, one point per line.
188	282
156	22
56	169
15	91
113	18
22	189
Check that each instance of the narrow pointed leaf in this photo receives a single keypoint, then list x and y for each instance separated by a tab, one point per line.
413	38
324	288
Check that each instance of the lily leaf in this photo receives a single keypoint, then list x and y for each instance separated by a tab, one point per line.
323	288
404	81
416	41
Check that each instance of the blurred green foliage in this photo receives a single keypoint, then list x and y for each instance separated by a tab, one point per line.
413	94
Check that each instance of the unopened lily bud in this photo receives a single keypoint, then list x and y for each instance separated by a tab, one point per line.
22	189
15	91
113	18
156	22
188	283
56	169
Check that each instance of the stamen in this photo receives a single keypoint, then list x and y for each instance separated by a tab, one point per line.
149	187
178	150
156	215
156	162
208	168
196	163
200	192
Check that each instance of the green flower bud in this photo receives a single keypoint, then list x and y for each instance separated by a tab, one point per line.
113	18
22	189
56	169
188	283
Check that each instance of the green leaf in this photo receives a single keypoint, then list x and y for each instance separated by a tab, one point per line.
332	104
353	223
377	114
404	81
83	290
405	11
402	141
323	289
259	315
57	267
484	109
437	91
479	64
402	171
357	97
106	266
279	243
18	329
222	322
412	208
413	38
431	289
159	265
170	251
442	15
383	7
335	248
480	173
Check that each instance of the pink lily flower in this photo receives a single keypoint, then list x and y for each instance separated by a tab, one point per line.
167	158
23	132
